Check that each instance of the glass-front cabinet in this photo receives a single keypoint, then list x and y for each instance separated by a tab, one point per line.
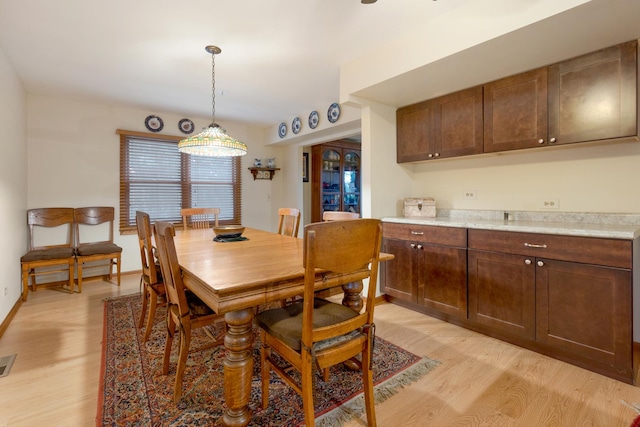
336	178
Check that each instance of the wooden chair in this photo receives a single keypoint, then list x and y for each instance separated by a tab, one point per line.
339	216
185	311
153	292
317	332
96	250
50	255
289	221
199	217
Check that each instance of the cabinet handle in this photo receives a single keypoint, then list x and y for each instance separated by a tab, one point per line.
527	261
420	247
413	246
541	141
429	155
540	263
417	233
436	155
531	245
552	140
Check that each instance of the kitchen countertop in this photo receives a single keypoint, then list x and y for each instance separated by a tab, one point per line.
612	226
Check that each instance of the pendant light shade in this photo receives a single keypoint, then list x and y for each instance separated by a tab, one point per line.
212	141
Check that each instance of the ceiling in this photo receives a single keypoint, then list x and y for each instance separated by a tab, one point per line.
280	58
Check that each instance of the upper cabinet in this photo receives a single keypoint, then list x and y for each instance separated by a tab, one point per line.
447	126
588	98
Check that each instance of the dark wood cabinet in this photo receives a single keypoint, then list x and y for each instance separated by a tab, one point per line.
588	98
515	112
594	96
429	268
335	180
578	309
447	126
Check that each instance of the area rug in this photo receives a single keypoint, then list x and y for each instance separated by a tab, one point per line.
133	391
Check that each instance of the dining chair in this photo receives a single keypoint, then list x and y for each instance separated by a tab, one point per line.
60	254
289	221
199	218
185	311
319	333
153	292
93	249
339	216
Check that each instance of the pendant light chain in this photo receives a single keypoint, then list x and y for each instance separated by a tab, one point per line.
213	88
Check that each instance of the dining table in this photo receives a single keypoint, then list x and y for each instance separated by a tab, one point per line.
234	278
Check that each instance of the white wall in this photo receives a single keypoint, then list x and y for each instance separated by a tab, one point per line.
74	160
13	184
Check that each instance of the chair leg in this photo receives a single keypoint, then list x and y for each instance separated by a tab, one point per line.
307	389
118	270
265	352
171	329
153	303
25	282
367	380
185	340
72	279
79	276
145	299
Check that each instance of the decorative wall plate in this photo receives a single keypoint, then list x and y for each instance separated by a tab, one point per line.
314	119
296	125
282	129
334	113
154	123
185	126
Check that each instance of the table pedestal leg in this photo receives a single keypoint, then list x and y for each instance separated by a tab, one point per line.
238	367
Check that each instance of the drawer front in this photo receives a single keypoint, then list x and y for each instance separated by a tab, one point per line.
590	250
446	236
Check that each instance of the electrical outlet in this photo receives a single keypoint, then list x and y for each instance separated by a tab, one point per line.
550	203
470	195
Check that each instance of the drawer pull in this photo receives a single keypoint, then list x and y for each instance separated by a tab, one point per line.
417	233
527	261
532	245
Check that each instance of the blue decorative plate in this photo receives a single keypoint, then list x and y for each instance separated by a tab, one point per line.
185	126
334	113
282	129
314	118
296	125
154	123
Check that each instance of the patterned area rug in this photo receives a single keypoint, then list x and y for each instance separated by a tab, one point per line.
133	391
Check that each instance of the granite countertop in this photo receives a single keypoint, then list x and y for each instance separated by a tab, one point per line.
613	226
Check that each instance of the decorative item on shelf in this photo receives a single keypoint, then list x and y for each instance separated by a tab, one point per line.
282	130
271	163
263	173
154	123
185	126
314	119
296	125
257	163
212	141
333	114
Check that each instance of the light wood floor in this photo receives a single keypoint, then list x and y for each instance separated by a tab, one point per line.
481	381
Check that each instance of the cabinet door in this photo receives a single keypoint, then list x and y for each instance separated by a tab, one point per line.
593	96
502	292
586	310
397	278
515	112
442	281
458	124
414	126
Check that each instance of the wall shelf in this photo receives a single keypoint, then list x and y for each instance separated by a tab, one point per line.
263	173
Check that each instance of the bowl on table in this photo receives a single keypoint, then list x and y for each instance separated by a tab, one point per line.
228	231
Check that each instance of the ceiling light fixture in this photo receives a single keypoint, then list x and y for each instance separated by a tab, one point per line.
212	141
368	1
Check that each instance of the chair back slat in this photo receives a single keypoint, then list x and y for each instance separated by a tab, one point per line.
93	216
50	218
199	218
339	216
289	221
143	225
171	273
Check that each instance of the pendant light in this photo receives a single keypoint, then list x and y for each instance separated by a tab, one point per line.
212	141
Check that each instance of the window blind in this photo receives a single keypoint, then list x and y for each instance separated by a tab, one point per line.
156	178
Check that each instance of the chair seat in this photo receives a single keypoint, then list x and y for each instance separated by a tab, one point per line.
98	249
47	254
197	307
286	323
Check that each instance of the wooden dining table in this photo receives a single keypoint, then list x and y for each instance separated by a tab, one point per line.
233	278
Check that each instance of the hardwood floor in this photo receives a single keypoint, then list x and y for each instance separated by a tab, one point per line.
481	381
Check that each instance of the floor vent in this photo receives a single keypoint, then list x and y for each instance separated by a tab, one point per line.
5	364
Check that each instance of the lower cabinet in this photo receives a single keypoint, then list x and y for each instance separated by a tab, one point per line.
564	296
429	268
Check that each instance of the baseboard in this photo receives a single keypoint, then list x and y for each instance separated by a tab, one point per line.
7	320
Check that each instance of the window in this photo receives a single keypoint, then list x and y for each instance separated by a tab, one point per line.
156	178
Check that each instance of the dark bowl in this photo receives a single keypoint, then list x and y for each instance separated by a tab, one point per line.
228	231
